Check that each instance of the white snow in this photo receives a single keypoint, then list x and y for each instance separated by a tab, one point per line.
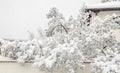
5	58
115	4
96	43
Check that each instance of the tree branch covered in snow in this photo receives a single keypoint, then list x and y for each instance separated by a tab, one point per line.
96	43
56	23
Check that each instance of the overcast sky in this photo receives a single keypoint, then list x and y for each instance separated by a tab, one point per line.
19	16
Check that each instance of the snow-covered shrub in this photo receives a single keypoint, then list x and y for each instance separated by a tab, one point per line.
96	40
9	49
28	50
66	55
83	42
107	61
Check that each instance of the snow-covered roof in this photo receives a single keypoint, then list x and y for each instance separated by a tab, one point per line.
115	5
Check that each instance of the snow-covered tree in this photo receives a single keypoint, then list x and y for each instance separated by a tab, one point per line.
66	55
96	43
56	23
84	16
107	59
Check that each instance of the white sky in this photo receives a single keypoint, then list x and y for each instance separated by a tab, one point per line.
19	16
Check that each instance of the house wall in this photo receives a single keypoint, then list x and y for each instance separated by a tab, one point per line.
27	68
102	14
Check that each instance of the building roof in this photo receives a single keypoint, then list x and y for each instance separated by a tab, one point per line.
106	6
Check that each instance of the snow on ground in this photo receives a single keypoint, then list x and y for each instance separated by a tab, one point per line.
115	4
5	58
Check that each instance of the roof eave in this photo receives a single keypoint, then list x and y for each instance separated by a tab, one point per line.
103	9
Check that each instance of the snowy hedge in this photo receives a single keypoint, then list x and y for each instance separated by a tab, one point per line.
70	44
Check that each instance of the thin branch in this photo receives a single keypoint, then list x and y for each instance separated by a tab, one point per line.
58	26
